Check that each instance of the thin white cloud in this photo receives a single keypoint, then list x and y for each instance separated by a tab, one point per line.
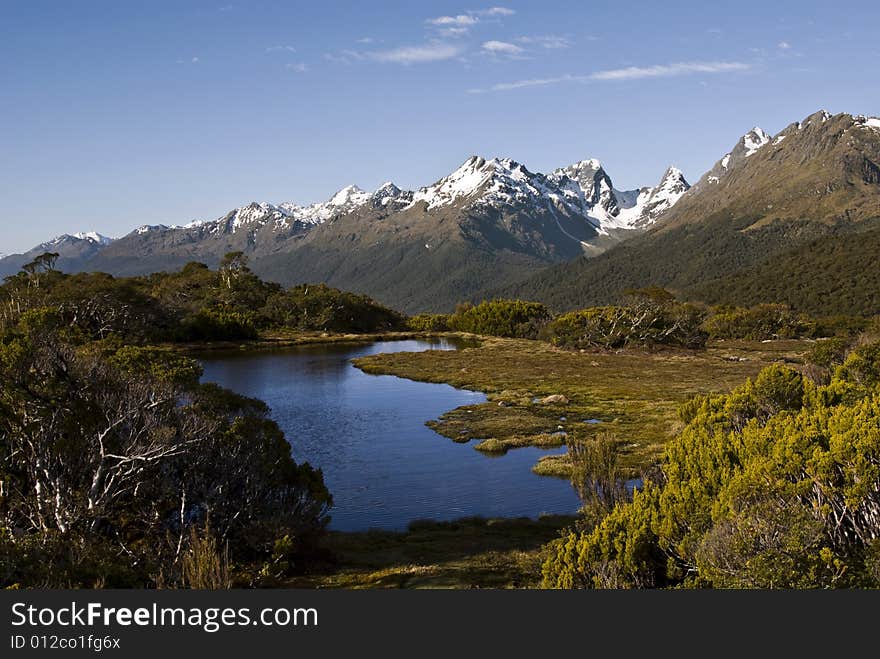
494	11
280	49
462	20
453	31
501	48
461	23
365	40
668	70
345	56
549	41
299	67
530	82
195	60
431	52
629	73
783	45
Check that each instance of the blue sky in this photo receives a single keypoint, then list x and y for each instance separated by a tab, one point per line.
118	114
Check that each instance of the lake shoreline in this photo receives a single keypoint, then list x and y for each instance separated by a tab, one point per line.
279	340
539	395
315	386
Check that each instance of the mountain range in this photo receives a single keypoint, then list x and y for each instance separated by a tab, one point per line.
756	228
747	231
487	222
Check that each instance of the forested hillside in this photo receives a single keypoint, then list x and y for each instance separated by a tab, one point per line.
778	211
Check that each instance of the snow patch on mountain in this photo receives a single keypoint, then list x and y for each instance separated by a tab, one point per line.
652	202
252	216
747	146
463	182
754	140
589	189
344	201
389	195
147	228
93	236
867	122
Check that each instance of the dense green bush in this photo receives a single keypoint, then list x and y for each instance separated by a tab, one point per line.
219	325
193	304
510	318
758	323
776	485
826	355
318	307
428	322
862	365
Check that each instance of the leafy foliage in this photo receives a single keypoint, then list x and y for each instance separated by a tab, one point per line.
321	308
510	318
193	304
774	485
761	322
428	322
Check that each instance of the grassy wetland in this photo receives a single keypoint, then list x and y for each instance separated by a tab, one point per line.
540	395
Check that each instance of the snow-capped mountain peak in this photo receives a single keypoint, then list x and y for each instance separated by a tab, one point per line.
588	187
90	237
641	208
93	236
253	213
470	177
350	195
344	201
580	170
389	195
673	182
754	140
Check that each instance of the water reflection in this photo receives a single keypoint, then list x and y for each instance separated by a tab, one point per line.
367	432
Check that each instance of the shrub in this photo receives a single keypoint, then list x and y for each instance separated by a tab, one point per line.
612	327
324	309
428	322
509	318
220	325
771	486
862	365
759	323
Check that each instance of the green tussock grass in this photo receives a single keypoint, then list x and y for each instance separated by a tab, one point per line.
635	394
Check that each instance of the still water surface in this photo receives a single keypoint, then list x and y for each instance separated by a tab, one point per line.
383	466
